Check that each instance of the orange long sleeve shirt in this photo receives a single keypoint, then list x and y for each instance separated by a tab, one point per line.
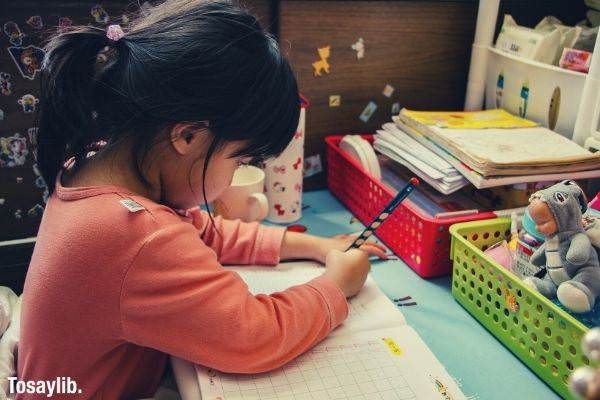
111	292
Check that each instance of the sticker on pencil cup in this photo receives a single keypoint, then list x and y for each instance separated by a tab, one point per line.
368	112
335	100
392	346
388	90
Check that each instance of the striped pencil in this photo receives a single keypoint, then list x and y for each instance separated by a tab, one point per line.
410	186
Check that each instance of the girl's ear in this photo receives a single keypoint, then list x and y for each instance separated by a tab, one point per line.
186	138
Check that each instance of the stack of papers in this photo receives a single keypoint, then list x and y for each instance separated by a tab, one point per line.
511	150
426	164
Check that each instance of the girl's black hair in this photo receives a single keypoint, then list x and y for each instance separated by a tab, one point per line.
192	61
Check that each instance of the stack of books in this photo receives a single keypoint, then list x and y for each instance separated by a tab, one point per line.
487	148
433	169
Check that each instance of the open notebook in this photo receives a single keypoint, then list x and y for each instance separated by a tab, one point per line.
373	355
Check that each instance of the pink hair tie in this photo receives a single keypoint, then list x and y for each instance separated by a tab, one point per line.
114	32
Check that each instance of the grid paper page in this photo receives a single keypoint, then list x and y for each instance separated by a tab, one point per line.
370	309
387	364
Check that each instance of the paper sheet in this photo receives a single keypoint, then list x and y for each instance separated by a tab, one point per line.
388	364
370	309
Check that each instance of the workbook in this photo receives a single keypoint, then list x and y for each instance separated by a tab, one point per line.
403	149
498	150
374	354
533	174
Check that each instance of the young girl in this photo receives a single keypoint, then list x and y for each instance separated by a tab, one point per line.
120	278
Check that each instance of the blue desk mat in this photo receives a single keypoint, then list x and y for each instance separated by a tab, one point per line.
484	368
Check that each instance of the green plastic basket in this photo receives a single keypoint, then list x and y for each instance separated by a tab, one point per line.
543	336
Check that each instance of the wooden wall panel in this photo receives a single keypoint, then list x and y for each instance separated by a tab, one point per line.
420	48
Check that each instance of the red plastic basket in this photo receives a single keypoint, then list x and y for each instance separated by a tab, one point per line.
422	242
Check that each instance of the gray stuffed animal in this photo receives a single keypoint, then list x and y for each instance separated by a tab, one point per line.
573	271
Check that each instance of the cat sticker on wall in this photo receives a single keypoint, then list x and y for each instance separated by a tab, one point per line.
35	21
28	60
13	151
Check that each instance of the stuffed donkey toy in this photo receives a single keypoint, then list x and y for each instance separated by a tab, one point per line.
571	262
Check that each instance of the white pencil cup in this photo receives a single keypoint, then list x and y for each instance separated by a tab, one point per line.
284	174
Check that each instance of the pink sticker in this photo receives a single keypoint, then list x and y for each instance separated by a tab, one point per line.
279	208
298	163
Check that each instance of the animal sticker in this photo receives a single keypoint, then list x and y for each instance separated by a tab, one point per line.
278	187
28	60
14	33
64	23
322	64
359	48
279	169
100	16
13	151
279	209
5	83
28	102
35	21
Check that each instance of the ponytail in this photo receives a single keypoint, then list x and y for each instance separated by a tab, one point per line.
66	113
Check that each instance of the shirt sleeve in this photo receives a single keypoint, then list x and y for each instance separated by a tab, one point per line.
237	242
178	299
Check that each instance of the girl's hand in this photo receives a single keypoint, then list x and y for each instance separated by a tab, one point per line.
348	270
342	242
302	246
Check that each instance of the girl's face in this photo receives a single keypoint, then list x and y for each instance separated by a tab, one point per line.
181	169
